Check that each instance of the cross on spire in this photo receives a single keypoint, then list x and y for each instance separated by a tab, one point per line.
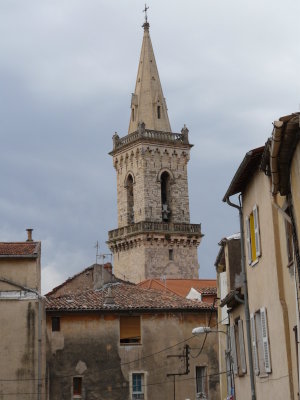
145	11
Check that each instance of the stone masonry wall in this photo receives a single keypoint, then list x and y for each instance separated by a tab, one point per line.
147	256
146	163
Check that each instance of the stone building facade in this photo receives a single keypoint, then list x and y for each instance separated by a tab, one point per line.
22	322
154	236
114	340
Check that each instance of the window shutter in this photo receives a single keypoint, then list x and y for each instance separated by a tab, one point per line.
265	339
242	346
233	350
248	237
256	231
130	328
254	347
223	293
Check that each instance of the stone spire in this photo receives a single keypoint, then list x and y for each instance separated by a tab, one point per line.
148	104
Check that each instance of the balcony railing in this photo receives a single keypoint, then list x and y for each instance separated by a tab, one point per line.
156	136
161	227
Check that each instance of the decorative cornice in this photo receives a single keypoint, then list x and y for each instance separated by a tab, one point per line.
161	228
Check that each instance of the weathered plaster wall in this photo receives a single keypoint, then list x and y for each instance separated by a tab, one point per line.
266	289
23	271
88	345
19	349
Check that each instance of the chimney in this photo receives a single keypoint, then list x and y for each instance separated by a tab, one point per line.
29	235
108	267
109	298
101	276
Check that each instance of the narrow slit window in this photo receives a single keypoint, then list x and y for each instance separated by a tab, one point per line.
165	196
130	200
171	254
77	386
55	324
132	114
158	112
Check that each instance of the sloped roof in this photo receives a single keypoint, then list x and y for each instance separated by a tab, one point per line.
72	278
126	296
245	172
19	249
180	287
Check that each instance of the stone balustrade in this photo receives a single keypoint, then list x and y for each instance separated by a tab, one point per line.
148	134
157	227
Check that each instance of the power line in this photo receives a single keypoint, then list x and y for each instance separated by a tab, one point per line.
137	359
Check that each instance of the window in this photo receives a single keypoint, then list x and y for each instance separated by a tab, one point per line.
77	386
165	195
237	347
171	254
201	380
253	236
130	330
132	114
158	112
130	199
137	386
55	324
260	342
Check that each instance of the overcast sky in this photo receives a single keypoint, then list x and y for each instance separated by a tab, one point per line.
67	69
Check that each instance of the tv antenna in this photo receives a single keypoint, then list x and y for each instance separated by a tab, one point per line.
101	255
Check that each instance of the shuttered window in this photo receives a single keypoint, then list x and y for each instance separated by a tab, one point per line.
265	340
130	330
242	347
260	342
237	348
253	236
254	346
233	349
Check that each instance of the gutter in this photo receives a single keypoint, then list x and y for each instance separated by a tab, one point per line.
13	256
246	299
275	145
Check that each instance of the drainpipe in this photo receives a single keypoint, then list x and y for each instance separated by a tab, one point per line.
40	298
246	301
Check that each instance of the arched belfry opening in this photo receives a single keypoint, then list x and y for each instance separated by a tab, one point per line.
165	182
130	199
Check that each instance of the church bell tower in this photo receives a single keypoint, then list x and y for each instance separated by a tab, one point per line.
155	238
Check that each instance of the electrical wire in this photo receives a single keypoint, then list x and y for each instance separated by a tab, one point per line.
138	359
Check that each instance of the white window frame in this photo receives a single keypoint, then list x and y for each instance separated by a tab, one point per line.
204	380
256	235
140	395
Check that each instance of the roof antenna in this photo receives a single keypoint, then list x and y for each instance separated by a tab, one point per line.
97	250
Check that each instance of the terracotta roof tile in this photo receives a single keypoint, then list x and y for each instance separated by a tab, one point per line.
180	287
19	248
126	296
